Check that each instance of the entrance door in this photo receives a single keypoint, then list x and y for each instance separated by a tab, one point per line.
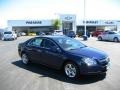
67	26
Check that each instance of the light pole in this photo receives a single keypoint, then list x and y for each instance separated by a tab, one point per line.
85	32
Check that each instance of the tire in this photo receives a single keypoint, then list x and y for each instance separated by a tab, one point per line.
71	70
100	38
25	59
116	39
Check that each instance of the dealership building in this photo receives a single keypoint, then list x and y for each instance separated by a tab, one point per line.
68	22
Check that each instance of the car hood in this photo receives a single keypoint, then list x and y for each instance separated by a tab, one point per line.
88	52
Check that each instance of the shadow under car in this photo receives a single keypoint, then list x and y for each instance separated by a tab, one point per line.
57	74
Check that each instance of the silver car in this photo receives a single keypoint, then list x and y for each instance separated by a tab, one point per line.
110	36
8	35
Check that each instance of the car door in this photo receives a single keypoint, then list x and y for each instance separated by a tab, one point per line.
51	57
34	50
111	36
105	35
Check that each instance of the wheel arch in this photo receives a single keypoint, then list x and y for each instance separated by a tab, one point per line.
68	60
100	38
23	52
78	71
116	38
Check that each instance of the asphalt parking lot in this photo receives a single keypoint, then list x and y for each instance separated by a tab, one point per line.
16	76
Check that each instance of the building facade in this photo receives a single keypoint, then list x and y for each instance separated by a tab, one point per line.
68	22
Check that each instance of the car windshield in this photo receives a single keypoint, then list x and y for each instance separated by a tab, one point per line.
7	32
67	43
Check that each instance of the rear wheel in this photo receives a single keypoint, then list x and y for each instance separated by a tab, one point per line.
25	59
116	39
100	38
71	70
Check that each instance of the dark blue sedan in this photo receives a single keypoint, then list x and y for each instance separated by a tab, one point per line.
62	52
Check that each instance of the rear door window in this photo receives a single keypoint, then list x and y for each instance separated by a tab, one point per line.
35	42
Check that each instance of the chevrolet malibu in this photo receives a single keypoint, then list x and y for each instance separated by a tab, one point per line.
64	53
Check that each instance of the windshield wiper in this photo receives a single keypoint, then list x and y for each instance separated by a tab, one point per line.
72	48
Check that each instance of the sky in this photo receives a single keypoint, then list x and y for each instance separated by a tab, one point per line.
51	9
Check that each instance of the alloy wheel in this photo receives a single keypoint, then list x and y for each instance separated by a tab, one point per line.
70	70
25	59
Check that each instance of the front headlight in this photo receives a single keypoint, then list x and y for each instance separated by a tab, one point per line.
89	61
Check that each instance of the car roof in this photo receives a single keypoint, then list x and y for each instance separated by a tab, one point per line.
52	36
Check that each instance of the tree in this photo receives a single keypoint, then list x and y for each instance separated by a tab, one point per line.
56	24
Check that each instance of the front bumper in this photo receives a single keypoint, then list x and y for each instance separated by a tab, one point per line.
9	38
93	70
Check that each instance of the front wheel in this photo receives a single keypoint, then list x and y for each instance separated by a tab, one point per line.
25	59
71	70
116	39
100	38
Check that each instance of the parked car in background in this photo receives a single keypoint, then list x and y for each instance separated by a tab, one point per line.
96	33
57	32
48	33
71	34
40	33
110	36
23	34
31	34
8	35
65	53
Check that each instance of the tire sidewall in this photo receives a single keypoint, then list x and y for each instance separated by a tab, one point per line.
116	39
24	55
100	38
77	70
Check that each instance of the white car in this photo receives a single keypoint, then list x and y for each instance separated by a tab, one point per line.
9	35
58	32
110	36
23	34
